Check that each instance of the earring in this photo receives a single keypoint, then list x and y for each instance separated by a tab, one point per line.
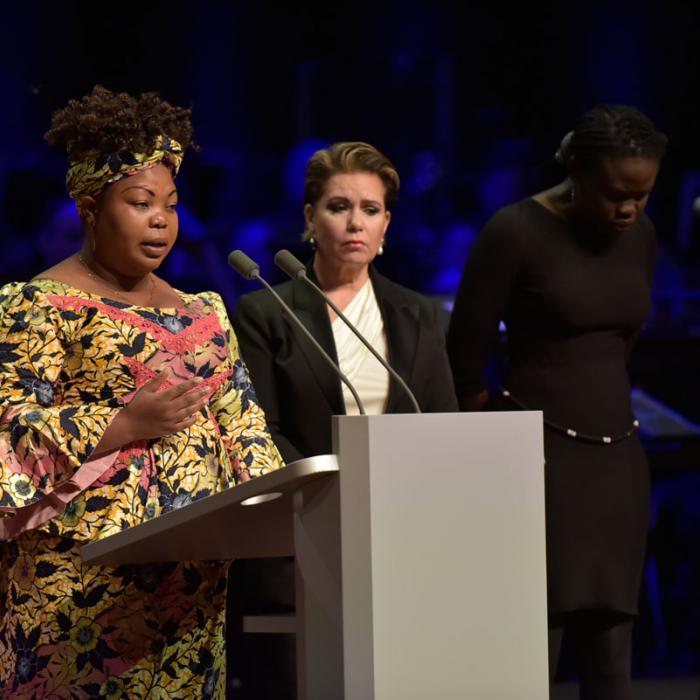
380	250
312	242
88	219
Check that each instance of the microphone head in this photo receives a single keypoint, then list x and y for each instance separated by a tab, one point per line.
290	264
242	264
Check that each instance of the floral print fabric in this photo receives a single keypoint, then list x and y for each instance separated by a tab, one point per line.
68	362
88	177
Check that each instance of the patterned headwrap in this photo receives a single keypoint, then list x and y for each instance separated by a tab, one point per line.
89	176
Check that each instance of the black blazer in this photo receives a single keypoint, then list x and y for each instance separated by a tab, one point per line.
297	389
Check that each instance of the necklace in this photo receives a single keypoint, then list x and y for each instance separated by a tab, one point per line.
113	287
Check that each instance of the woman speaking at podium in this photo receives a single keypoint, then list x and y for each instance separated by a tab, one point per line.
120	399
569	272
349	191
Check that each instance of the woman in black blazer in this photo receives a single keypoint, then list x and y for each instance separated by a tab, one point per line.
349	191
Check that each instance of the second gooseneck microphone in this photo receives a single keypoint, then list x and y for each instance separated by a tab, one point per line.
249	269
293	267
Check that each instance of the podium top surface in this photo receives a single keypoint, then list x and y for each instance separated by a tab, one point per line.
253	519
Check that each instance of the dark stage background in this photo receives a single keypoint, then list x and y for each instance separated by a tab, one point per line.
470	104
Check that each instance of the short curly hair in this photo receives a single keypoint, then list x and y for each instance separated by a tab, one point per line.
115	122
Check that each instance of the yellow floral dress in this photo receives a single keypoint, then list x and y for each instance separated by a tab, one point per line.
69	361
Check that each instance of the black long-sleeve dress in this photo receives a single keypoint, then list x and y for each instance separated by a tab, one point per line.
573	301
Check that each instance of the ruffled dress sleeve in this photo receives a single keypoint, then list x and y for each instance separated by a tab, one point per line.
46	445
241	420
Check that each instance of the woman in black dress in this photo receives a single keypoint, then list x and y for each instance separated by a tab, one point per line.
569	273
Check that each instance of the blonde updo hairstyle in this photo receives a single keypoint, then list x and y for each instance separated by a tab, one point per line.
348	157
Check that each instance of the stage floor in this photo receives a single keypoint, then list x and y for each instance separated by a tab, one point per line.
676	689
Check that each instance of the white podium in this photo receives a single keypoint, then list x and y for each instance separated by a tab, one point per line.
420	564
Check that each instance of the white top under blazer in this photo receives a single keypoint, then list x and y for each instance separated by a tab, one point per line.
370	379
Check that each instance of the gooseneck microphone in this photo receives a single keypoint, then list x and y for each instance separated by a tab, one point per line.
249	269
293	267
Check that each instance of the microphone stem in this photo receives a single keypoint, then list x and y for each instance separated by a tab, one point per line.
381	360
256	275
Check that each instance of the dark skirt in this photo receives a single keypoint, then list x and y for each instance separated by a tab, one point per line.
597	511
597	499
